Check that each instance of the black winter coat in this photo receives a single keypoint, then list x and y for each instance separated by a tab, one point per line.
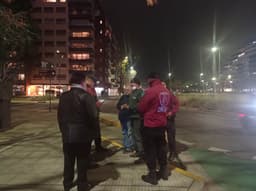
123	114
77	116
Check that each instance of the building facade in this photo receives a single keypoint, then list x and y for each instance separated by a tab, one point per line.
240	73
73	37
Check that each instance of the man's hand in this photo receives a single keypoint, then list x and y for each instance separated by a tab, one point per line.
124	106
169	114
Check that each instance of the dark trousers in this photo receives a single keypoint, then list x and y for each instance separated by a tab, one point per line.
171	133
79	153
97	139
136	124
154	147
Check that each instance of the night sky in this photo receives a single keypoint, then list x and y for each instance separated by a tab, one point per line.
184	26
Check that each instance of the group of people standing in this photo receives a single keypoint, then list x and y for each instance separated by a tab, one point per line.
146	117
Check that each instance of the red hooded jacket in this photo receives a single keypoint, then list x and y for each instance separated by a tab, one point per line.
155	104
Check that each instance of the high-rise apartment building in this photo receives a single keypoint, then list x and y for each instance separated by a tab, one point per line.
73	37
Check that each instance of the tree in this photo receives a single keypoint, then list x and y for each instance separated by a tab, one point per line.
16	36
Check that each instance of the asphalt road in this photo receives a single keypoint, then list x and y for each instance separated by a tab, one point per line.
219	131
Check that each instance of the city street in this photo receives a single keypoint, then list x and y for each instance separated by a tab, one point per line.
214	140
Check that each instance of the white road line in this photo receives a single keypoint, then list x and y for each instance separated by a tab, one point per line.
185	142
7	147
215	149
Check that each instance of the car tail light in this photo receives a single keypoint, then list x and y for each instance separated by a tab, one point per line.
241	115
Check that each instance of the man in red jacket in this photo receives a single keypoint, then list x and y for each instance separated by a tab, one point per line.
154	106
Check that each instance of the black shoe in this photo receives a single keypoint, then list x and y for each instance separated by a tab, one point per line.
136	154
101	149
150	178
163	173
139	161
67	188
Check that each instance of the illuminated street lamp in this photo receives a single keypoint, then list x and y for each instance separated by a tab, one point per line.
214	49
201	74
229	77
213	78
132	73
169	74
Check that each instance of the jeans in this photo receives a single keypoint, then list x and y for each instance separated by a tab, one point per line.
127	135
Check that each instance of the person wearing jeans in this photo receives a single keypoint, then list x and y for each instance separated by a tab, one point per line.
124	118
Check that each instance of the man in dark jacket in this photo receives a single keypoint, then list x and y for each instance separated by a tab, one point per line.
154	106
135	119
77	114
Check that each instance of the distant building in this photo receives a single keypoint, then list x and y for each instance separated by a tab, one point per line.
240	72
74	37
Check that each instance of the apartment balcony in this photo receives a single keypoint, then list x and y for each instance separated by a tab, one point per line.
78	50
85	39
80	62
81	25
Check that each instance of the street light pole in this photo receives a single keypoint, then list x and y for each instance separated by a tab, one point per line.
169	69
50	96
214	49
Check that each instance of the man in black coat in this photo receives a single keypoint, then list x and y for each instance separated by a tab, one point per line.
77	114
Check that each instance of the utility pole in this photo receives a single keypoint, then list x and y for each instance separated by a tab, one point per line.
214	54
169	68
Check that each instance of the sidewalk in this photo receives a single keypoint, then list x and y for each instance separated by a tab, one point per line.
31	159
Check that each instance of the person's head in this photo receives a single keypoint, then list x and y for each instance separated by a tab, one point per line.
152	77
135	83
127	91
78	78
90	81
164	84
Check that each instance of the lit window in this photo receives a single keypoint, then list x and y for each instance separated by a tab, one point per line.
78	45
101	31
63	1
50	1
101	50
21	77
80	56
80	34
101	22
